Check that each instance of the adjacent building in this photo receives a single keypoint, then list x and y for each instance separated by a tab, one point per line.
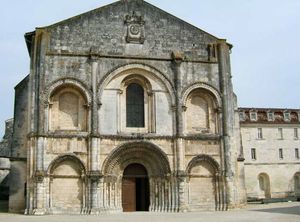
271	142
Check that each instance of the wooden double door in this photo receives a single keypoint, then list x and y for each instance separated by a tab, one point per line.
135	188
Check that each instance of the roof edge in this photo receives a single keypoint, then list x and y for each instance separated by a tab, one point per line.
116	2
267	108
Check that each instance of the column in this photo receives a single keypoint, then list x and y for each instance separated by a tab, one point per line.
228	119
179	143
94	154
39	177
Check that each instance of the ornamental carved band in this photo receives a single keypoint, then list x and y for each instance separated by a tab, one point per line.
135	28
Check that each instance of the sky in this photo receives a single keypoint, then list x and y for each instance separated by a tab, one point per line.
265	59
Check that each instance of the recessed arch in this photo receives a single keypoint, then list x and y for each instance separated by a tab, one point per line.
59	159
201	85
135	68
296	180
68	106
264	185
66	187
71	82
201	104
203	158
145	153
203	174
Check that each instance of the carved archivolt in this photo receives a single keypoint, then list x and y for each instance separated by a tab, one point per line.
203	158
136	67
145	153
71	157
205	86
64	82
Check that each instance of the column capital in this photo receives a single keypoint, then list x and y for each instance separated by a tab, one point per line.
94	175
39	176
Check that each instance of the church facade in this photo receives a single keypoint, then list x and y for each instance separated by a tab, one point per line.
126	108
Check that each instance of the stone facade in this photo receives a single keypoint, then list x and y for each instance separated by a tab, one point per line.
6	142
80	123
271	146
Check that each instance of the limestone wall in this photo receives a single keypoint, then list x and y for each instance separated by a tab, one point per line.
267	160
17	186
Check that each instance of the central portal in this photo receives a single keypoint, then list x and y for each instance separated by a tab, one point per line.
135	188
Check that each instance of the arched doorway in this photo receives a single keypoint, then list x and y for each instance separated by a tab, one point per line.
264	185
297	185
135	188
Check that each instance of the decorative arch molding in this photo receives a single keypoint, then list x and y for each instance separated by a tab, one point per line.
145	153
58	160
136	78
201	85
203	158
136	66
51	88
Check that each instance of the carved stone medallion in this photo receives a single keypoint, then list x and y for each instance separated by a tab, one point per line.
135	28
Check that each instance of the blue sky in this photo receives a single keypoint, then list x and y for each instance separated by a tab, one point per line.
265	59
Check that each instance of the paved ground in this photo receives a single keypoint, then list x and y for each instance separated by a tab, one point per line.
276	212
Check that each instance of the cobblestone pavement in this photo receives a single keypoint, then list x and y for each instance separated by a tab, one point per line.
276	212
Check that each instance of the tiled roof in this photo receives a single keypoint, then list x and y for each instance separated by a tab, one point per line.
269	115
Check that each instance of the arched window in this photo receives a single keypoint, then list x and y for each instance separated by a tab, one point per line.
135	114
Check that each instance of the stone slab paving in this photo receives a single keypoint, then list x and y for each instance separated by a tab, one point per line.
276	212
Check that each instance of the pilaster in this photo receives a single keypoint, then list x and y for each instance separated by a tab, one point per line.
178	58
228	120
94	153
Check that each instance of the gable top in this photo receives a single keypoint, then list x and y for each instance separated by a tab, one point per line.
28	36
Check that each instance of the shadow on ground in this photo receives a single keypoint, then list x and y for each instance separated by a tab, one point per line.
282	210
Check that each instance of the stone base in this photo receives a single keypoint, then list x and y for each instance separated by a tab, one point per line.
39	212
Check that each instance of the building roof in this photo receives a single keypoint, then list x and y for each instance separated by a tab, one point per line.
269	115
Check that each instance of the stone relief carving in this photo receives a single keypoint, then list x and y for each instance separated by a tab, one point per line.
135	28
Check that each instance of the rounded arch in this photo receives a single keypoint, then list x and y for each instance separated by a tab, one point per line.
264	184
67	103
66	176
296	179
140	152
201	85
137	89
134	67
66	157
203	174
263	174
203	158
139	79
68	82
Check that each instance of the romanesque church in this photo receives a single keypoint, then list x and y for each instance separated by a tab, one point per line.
126	108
